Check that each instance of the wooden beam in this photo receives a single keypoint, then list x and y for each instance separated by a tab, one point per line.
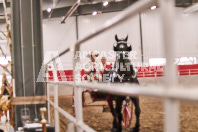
28	100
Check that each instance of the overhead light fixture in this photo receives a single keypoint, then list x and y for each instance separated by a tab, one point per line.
191	8
105	3
49	9
153	7
95	13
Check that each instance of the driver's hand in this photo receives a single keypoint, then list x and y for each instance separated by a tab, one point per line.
94	70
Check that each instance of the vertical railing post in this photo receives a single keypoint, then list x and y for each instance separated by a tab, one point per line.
48	104
56	114
77	91
171	106
47	92
70	127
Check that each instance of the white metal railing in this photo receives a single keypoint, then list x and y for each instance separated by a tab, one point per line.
170	91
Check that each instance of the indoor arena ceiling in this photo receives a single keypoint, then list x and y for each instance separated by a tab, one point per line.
60	7
88	6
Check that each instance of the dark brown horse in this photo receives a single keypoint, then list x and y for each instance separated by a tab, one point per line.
124	68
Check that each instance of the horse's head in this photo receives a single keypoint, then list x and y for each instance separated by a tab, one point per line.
122	49
122	45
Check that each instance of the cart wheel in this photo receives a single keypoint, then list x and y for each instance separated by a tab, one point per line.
127	111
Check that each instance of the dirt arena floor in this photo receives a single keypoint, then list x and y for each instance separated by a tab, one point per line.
151	118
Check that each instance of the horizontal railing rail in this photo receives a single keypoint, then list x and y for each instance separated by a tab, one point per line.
67	115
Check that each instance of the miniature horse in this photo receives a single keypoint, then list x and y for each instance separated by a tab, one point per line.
122	67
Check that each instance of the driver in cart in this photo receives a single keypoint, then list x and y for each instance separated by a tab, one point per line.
93	69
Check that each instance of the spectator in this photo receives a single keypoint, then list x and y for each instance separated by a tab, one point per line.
105	65
104	61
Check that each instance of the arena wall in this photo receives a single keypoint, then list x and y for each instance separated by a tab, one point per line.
59	36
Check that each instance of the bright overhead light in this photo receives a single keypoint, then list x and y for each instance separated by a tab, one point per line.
95	13
49	9
105	3
191	8
153	7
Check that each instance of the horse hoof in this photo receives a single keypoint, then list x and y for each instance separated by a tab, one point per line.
134	129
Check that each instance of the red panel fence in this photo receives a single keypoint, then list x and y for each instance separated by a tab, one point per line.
150	71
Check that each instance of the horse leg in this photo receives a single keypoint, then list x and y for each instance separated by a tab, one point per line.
118	111
110	103
135	101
